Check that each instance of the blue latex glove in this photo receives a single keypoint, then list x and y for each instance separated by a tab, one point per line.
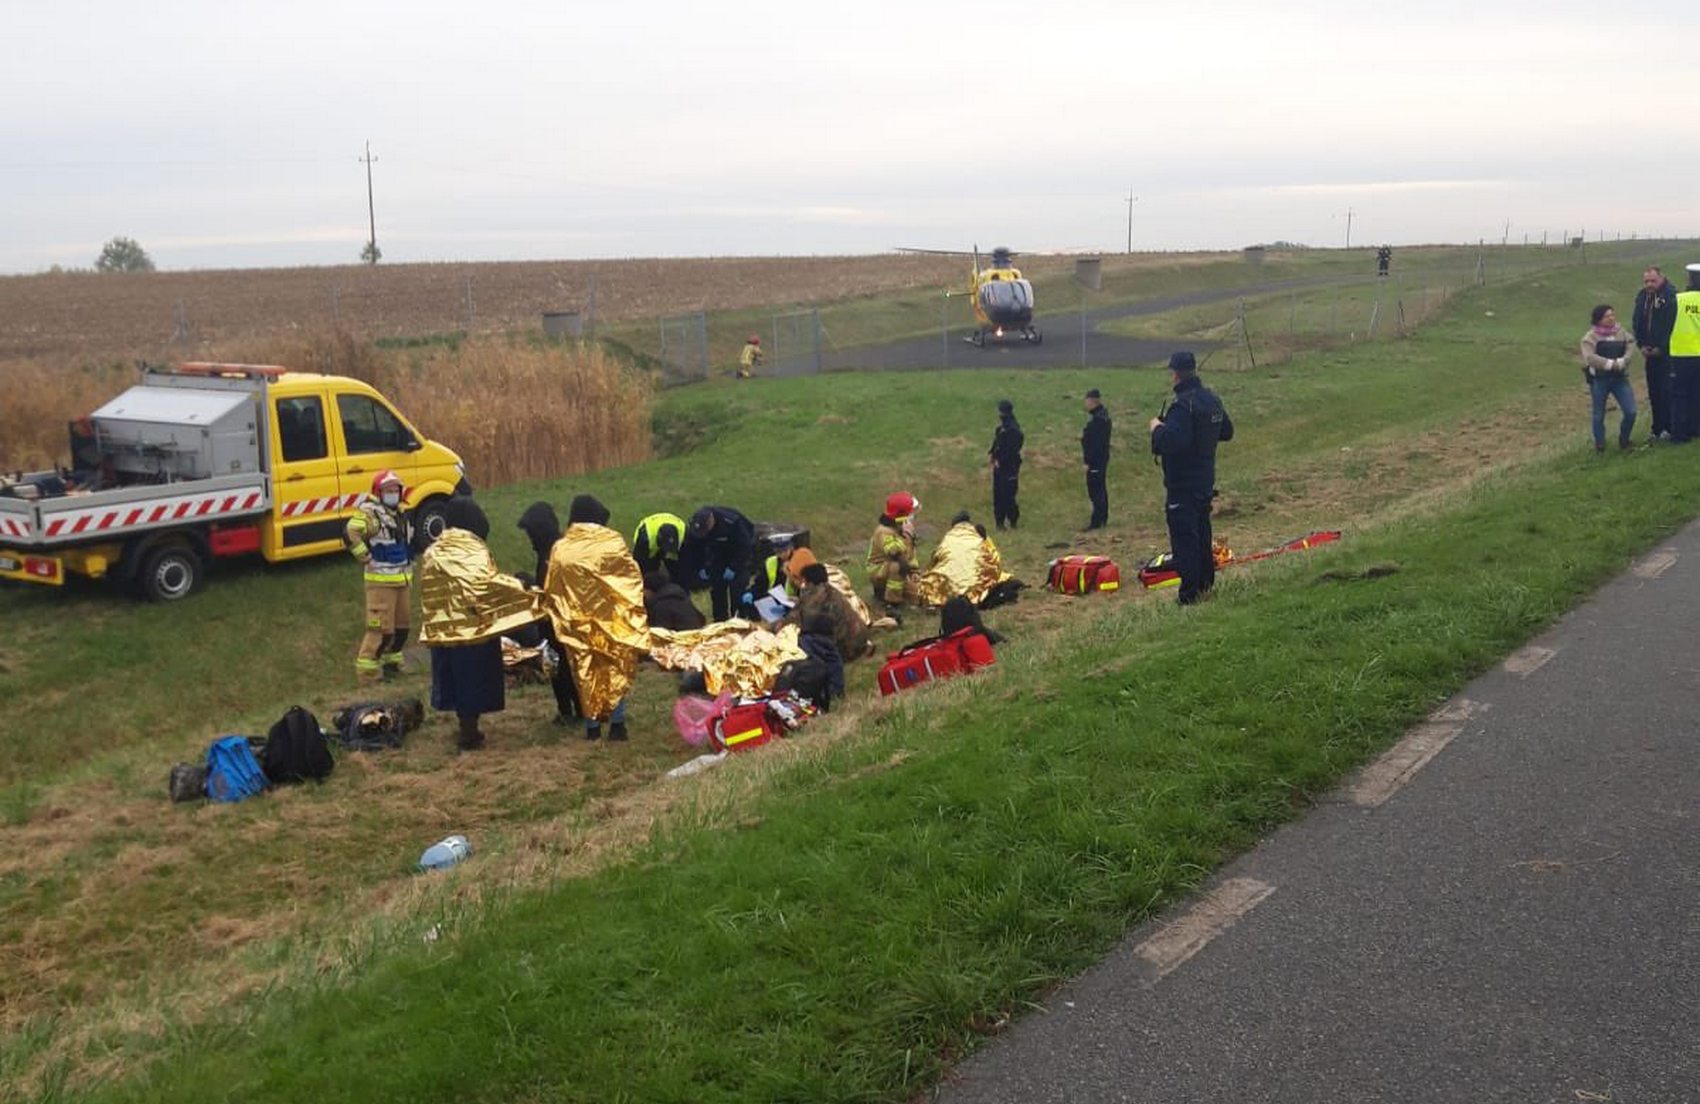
728	575
748	598
703	574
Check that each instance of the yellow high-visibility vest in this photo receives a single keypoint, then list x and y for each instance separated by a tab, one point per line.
1685	336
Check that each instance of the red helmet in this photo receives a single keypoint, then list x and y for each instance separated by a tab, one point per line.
755	339
384	479
900	505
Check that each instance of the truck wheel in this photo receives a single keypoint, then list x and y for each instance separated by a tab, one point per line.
170	574
429	521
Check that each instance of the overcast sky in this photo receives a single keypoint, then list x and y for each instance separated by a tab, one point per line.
228	134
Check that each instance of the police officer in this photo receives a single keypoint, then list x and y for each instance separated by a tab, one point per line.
1685	361
656	543
719	543
1185	439
1006	465
1095	455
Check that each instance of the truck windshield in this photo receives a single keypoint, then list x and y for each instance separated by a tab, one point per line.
369	426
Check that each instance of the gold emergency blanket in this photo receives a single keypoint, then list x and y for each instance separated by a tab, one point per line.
465	599
842	584
964	563
734	655
595	601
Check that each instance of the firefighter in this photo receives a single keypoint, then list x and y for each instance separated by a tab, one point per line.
1685	361
719	542
891	552
750	359
656	543
1006	465
380	537
1185	439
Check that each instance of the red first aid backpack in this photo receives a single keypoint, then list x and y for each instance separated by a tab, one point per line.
743	727
937	658
1084	575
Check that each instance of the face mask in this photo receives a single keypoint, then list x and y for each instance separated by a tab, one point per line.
390	498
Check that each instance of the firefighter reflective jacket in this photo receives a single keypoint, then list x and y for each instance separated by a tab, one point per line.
381	539
889	546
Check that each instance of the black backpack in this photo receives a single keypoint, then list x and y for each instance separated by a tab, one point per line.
807	678
296	749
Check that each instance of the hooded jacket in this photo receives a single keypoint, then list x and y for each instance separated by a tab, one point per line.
542	528
668	606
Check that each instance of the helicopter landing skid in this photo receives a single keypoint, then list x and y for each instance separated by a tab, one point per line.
981	338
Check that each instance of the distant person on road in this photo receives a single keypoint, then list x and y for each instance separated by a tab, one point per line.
1605	365
1005	456
750	359
1095	457
1185	439
380	537
1655	315
719	543
1685	361
1383	260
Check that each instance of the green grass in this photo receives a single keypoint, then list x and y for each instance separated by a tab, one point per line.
826	925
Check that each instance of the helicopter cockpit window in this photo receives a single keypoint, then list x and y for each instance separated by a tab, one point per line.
1004	296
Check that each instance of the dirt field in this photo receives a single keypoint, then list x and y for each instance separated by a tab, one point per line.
123	317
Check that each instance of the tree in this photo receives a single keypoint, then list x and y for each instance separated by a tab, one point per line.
123	255
370	253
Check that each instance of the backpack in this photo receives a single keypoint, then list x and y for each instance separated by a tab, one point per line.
807	678
232	771
188	782
376	726
296	749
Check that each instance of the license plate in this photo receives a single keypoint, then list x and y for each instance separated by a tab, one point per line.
7	563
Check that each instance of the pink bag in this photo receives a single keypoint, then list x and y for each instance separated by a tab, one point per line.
692	714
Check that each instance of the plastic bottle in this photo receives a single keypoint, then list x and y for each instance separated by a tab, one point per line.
445	853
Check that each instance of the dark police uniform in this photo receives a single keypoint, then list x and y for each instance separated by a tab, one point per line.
1006	469
1186	442
1095	451
721	556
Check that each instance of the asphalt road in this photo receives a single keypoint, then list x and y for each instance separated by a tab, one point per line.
1062	346
1519	920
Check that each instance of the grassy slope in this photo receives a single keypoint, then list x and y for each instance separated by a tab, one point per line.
819	446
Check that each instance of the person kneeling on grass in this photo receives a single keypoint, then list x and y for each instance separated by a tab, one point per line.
1605	367
468	605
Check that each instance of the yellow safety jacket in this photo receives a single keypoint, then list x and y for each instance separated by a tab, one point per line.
1685	335
646	538
380	538
750	357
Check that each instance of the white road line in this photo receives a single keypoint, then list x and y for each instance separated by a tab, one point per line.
1382	778
1527	661
1459	709
1209	916
1656	564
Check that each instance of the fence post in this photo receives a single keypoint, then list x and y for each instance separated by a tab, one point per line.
1292	313
814	318
944	326
702	340
469	314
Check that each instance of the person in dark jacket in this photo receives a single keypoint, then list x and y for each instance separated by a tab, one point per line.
667	604
720	542
1095	455
819	599
1655	317
817	643
542	528
1185	439
1006	465
959	613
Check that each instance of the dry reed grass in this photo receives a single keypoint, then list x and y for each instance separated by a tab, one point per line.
513	409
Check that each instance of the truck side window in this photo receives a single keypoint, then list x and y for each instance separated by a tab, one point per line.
301	428
369	426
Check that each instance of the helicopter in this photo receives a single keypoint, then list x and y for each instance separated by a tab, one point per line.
1002	299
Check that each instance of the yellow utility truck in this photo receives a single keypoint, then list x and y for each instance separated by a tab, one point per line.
204	461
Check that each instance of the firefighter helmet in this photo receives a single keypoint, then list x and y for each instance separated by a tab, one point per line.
755	339
900	505
384	479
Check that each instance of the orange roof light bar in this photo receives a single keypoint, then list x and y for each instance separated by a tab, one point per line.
246	371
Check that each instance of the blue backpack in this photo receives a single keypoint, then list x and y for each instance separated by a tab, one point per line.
232	771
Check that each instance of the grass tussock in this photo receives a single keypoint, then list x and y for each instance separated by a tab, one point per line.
513	409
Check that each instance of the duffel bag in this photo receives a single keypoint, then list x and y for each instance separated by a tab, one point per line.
742	727
1083	575
967	649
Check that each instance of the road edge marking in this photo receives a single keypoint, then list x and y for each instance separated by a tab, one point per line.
1208	917
1526	661
1655	564
1399	763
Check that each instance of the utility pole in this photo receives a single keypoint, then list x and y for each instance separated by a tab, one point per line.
1131	200
1348	228
371	210
1505	239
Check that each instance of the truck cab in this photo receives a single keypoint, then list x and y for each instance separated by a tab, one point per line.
211	460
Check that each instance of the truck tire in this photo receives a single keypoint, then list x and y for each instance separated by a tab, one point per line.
170	574
429	521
